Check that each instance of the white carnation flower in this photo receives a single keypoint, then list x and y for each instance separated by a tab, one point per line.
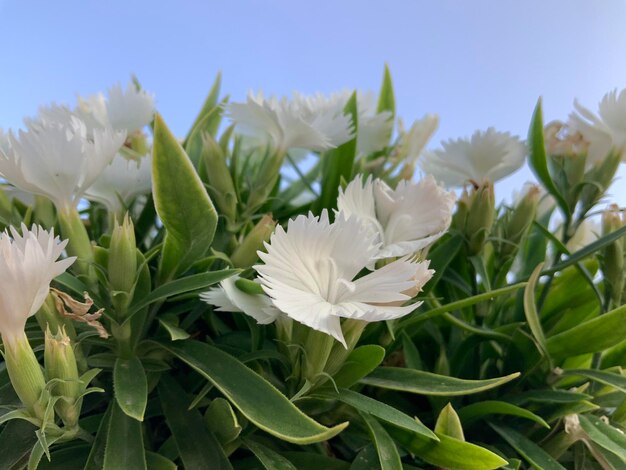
489	155
604	132
28	263
313	123
413	142
228	298
121	181
55	156
403	220
311	270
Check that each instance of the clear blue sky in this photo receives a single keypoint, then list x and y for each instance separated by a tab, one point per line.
475	63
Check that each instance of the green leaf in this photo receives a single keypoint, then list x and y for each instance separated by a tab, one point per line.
383	412
594	335
269	459
182	203
366	458
471	413
95	461
538	159
131	387
386	98
427	383
181	286
534	454
549	396
16	440
196	445
251	394
530	310
176	333
441	257
388	456
222	421
311	461
337	163
124	448
414	319
360	362
604	435
158	462
209	105
449	424
607	378
448	452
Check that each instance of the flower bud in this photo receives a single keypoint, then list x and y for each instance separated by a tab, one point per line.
480	217
600	176
138	143
245	255
122	264
60	364
25	373
220	180
520	220
613	262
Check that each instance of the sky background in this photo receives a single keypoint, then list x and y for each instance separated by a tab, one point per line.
475	63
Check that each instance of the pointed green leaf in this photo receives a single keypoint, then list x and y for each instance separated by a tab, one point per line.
209	105
359	363
95	461
196	445
471	413
176	333
533	454
386	97
16	440
448	423
313	461
604	435
594	335
222	421
269	459
251	394
158	462
182	203
530	310
427	383
388	456
538	159
131	387
448	452
604	377
124	448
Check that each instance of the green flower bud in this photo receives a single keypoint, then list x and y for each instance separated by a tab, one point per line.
60	364
245	255
122	264
480	217
138	142
25	373
613	262
600	176
520	220
220	180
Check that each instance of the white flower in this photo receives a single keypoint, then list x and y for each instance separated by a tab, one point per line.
310	273
314	123
404	220
586	233
228	298
413	141
604	132
489	155
130	110
57	158
28	263
121	182
374	129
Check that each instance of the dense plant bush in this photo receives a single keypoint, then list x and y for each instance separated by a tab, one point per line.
280	289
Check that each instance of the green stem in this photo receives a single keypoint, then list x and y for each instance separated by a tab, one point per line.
73	229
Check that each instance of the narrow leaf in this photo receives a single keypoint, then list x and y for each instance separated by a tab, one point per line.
131	387
257	399
448	423
530	310
607	378
427	383
124	448
388	456
359	363
386	97
269	459
472	413
196	445
534	454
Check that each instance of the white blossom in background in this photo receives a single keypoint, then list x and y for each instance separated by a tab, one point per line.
412	142
129	109
28	263
403	220
605	131
586	233
488	155
374	128
120	182
310	271
228	298
313	122
58	158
